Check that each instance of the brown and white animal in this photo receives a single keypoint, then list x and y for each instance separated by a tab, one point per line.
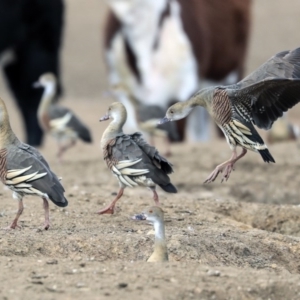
155	215
131	159
165	50
25	171
60	121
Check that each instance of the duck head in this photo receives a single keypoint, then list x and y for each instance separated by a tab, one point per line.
45	80
116	111
176	112
153	214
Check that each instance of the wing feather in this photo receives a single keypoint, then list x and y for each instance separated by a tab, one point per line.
129	156
271	89
267	100
39	175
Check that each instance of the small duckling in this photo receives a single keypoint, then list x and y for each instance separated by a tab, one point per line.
155	215
60	121
131	159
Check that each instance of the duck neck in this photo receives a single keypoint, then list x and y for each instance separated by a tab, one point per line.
160	247
131	104
7	136
114	129
46	101
200	98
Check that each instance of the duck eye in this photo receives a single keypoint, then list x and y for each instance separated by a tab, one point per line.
171	111
150	211
109	109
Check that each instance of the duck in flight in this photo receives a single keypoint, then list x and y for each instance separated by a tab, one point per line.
259	99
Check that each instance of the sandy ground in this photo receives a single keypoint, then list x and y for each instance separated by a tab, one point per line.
236	240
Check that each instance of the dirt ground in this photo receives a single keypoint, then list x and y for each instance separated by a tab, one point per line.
235	240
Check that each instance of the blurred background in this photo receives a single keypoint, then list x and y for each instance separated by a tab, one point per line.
274	27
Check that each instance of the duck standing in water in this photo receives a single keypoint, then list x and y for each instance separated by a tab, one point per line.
60	121
155	215
131	159
260	99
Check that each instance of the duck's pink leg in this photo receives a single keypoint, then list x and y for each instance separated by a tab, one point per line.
110	208
226	166
14	223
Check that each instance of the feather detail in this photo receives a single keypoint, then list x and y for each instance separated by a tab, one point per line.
115	170
237	136
36	191
29	191
245	132
20	179
129	180
134	172
14	173
126	163
61	123
242	127
37	176
221	107
23	185
123	180
20	183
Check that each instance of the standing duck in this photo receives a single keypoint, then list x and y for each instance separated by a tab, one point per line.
131	159
259	99
25	171
60	121
155	215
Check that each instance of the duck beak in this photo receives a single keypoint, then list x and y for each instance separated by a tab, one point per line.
36	85
139	217
104	118
164	120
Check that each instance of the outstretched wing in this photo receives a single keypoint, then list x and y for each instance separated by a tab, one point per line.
270	90
268	99
285	64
